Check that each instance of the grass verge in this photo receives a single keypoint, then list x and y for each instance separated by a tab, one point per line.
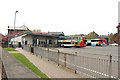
9	49
27	63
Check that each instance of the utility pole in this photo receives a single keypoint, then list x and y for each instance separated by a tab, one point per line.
14	28
8	38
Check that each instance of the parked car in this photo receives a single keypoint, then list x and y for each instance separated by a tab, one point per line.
114	44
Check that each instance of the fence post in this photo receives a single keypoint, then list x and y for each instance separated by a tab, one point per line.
58	57
65	59
48	53
35	50
75	65
1	69
110	66
3	76
41	55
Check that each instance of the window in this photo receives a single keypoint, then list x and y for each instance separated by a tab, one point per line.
66	42
95	40
50	41
39	43
76	42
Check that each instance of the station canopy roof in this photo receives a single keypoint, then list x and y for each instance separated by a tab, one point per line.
45	34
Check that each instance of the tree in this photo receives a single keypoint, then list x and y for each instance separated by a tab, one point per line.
92	35
110	37
116	38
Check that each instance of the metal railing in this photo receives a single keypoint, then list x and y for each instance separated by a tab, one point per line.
104	66
27	48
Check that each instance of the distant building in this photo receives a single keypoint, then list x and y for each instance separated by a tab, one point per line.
76	36
41	39
15	32
119	12
18	30
56	33
18	40
60	34
1	37
118	28
104	37
118	31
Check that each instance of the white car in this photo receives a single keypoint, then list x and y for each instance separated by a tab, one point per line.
114	44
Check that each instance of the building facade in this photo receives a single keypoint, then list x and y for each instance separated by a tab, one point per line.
14	35
1	38
118	30
41	39
17	30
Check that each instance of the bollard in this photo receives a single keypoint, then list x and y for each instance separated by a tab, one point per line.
58	57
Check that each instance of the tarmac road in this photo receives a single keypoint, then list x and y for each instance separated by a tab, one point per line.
91	54
92	60
90	51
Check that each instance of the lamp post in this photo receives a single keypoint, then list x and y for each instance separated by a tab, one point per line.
14	28
8	37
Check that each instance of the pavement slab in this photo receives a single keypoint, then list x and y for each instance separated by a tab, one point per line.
50	68
14	68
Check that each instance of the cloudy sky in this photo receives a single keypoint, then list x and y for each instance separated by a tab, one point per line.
69	16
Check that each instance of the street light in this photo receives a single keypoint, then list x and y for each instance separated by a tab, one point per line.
14	27
8	37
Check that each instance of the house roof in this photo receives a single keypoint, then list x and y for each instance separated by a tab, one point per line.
76	35
56	33
5	38
39	32
1	36
23	27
